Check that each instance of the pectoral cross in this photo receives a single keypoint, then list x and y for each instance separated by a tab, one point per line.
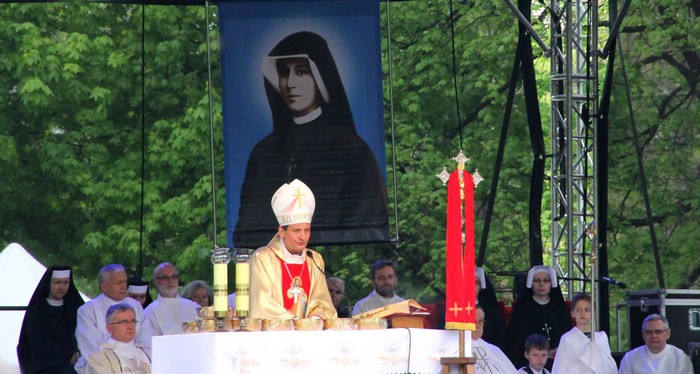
547	329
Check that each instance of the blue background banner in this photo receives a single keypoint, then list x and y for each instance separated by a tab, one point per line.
249	31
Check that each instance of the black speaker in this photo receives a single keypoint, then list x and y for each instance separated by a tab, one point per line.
694	352
680	307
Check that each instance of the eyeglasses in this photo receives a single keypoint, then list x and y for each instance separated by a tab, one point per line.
654	332
171	277
536	280
125	322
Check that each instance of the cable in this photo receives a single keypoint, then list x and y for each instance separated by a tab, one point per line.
143	133
454	76
408	358
642	177
211	128
395	239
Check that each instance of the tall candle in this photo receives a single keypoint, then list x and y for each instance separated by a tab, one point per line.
220	289
242	289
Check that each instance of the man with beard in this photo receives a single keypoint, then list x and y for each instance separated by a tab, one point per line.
169	311
384	279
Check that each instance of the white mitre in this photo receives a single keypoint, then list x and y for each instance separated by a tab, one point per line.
293	203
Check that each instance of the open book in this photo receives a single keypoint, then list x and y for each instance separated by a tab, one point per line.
403	308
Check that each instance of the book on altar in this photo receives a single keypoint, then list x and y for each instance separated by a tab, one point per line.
402	308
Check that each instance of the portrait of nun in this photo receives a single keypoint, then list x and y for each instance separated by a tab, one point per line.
314	140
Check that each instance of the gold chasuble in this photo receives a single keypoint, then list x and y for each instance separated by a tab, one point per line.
272	288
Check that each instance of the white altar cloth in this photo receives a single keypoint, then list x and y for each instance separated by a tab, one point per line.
369	351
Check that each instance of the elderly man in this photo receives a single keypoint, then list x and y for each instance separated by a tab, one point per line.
119	354
166	314
287	279
655	356
489	358
383	278
91	329
336	287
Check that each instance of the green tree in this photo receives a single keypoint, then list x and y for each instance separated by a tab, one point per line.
71	118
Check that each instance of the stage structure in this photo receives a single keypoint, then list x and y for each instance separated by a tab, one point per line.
577	231
574	122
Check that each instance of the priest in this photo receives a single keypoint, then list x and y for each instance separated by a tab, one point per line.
169	311
656	355
91	328
489	358
287	279
119	354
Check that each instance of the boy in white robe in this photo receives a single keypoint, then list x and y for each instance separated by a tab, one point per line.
577	352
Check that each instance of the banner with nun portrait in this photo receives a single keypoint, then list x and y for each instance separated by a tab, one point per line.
302	99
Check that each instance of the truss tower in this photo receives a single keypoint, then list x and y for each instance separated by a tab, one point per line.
574	98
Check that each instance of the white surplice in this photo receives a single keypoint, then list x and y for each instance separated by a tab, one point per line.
165	315
578	354
91	330
490	359
642	361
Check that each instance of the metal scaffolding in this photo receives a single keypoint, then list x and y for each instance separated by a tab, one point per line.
574	108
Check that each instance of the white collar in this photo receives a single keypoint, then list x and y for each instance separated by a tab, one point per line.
308	117
653	355
163	299
54	302
540	302
291	258
118	344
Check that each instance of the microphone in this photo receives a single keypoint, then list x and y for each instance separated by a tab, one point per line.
613	281
318	267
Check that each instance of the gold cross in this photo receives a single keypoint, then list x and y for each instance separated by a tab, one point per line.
469	308
299	195
456	309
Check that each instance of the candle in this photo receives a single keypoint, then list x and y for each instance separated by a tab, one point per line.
220	289
242	288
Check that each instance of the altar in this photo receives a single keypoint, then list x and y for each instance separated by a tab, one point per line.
398	350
